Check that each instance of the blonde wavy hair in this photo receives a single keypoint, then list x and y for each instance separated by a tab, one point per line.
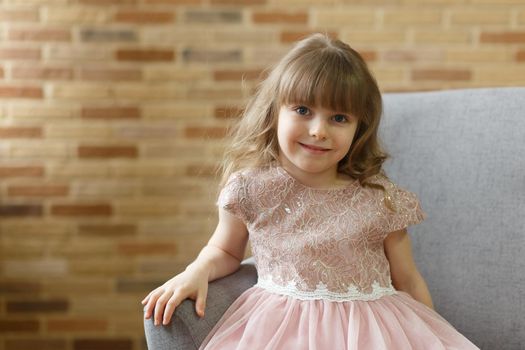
317	71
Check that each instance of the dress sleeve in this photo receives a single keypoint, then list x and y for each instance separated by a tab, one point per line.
407	209
233	196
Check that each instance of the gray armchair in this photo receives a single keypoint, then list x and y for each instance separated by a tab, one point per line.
463	153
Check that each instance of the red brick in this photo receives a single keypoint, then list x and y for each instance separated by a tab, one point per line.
20	132
110	113
102	344
369	56
109	230
38	191
107	152
441	74
20	54
289	36
237	75
111	74
520	56
226	112
42	73
139	248
503	37
10	325
145	55
1	72
36	343
19	287
205	132
81	210
21	171
20	92
144	17
280	17
20	210
77	325
40	34
39	306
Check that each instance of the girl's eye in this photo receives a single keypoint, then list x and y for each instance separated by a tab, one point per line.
340	118
302	110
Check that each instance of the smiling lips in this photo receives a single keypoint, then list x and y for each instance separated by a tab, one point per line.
314	149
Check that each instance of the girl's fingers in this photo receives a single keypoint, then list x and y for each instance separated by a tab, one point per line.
171	305
149	306
200	303
159	307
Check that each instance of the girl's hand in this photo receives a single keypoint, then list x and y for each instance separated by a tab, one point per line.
192	283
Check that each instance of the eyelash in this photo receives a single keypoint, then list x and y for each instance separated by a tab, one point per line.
346	119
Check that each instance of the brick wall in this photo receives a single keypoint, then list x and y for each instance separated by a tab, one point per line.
112	116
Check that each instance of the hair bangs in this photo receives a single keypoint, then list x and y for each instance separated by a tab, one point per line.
324	79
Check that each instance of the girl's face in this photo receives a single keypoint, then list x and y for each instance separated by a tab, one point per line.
312	140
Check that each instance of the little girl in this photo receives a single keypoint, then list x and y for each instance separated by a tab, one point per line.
303	181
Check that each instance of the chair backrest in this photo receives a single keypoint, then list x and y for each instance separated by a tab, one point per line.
463	153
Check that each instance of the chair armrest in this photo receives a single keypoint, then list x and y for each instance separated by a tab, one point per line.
186	330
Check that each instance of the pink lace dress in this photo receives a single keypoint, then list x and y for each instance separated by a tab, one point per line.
323	277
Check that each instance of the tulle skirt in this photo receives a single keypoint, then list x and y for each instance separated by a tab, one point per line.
259	319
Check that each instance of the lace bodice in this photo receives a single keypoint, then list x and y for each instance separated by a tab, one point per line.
319	243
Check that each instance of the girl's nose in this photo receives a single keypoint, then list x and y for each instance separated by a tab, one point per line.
318	129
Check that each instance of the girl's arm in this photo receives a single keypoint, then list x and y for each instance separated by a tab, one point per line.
220	257
405	276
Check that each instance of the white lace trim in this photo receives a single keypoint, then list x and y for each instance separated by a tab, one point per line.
321	291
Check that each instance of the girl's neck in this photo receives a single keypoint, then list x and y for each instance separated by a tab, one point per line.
328	179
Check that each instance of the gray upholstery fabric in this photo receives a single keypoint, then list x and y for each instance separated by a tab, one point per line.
463	153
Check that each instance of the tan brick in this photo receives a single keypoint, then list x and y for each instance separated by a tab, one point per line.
41	73
109	267
110	112
205	132
358	37
178	111
21	171
147	208
477	55
76	91
238	2
35	2
74	14
110	74
442	37
509	37
107	230
245	36
208	56
441	74
412	17
479	17
31	268
521	17
81	210
76	325
37	191
21	92
152	73
226	112
507	75
35	343
40	34
147	248
175	2
144	17
149	92
77	131
237	75
85	248
145	55
37	228
80	286
273	17
20	132
19	53
40	149
412	55
104	190
214	93
41	111
107	2
74	170
139	132
355	17
151	169
79	53
389	74
497	2
18	15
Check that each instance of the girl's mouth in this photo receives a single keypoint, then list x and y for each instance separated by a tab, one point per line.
313	149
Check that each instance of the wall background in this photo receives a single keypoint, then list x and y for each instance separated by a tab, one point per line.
112	115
